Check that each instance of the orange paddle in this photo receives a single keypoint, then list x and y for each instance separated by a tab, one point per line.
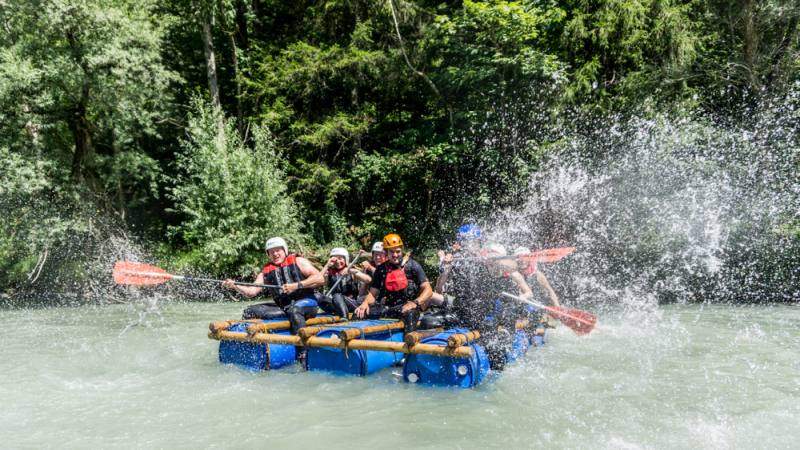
141	274
581	322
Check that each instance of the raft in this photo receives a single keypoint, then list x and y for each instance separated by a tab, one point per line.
451	357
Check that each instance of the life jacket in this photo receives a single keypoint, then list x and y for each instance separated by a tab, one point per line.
399	285
284	273
347	287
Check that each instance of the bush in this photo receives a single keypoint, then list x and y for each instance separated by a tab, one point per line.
231	195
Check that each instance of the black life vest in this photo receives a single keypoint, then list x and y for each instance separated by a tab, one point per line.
285	273
347	287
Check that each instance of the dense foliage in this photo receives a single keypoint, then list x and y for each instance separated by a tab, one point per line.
205	125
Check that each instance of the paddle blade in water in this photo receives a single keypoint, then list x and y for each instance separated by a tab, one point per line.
139	274
581	322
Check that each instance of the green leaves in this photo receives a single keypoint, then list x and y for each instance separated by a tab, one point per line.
231	194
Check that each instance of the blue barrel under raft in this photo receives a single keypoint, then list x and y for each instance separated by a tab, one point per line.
354	362
460	372
256	356
418	368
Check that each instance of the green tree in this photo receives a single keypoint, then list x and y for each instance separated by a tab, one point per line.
86	82
230	197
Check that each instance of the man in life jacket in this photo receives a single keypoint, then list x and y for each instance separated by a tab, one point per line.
343	284
296	279
378	258
399	287
467	243
478	305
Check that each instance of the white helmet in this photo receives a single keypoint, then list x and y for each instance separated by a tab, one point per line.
522	251
275	243
377	247
497	248
341	251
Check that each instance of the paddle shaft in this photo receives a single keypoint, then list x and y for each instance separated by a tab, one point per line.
539	305
204	280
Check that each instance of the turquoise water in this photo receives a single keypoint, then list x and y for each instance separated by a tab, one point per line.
669	377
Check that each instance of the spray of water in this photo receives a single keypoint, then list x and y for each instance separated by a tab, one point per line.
668	209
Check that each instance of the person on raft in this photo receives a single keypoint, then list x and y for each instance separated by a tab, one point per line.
378	258
343	284
399	287
479	305
529	269
467	243
296	277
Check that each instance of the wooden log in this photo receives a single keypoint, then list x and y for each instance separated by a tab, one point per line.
354	333
221	325
459	339
414	338
284	324
335	342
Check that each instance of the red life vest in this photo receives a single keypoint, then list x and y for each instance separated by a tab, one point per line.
396	280
284	273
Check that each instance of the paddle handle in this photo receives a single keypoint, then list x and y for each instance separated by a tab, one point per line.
212	280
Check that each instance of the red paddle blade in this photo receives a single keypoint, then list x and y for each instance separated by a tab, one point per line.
139	274
551	254
581	322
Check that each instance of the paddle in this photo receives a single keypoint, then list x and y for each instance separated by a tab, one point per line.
581	322
547	255
141	274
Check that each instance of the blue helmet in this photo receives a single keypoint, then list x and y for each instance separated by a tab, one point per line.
468	232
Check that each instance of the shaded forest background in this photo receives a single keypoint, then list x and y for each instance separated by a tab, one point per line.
203	127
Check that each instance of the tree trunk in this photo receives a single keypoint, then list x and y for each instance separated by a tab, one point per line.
211	63
751	43
79	125
78	122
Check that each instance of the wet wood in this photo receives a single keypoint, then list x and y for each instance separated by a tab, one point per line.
284	324
355	333
335	342
459	339
415	337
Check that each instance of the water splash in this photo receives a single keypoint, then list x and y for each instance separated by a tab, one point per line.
666	209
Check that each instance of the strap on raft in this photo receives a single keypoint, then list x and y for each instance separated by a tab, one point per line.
336	342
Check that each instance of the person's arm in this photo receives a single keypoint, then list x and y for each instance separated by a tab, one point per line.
360	276
524	289
247	291
542	280
363	309
313	277
447	265
425	291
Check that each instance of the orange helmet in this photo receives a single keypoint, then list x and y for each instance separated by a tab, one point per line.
392	240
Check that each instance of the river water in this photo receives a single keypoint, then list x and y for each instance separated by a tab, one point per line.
667	377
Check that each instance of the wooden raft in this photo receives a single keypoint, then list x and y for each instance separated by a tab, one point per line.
337	342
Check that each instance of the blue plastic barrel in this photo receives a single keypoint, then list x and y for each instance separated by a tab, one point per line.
520	346
354	362
256	356
447	371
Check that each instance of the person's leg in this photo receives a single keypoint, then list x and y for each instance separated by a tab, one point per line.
334	304
299	311
262	311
